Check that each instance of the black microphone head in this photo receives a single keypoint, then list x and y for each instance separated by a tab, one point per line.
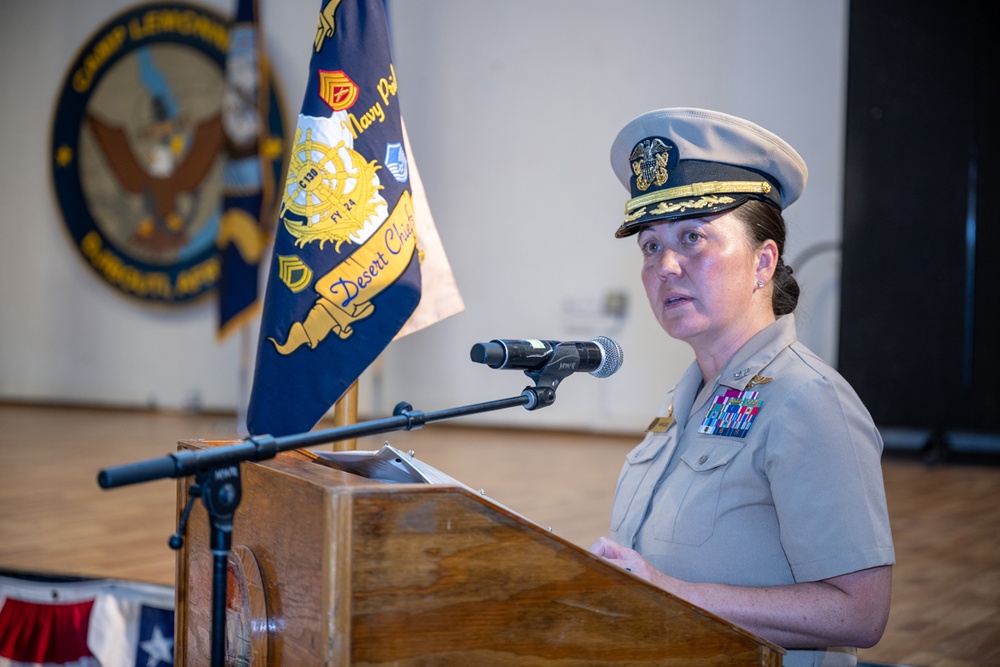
613	357
493	354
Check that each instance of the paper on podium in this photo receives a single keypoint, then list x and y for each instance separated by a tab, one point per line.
388	464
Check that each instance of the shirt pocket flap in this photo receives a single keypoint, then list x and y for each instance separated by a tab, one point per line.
709	456
647	450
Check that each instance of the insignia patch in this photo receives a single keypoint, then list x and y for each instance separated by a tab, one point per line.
758	379
138	151
337	90
731	414
395	162
295	273
649	163
331	190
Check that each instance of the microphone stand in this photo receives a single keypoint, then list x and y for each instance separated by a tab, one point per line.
217	470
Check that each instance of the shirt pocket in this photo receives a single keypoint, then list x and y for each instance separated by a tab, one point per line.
634	472
689	504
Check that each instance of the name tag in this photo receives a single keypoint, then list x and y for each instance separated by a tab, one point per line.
660	425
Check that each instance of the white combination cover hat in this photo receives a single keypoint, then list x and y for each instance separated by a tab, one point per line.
682	162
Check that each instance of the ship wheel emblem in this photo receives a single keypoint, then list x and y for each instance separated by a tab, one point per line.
330	192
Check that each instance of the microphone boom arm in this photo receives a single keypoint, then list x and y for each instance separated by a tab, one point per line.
262	447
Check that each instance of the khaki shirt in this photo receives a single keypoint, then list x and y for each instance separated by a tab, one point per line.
780	483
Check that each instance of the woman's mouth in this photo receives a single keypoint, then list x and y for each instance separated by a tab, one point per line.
674	301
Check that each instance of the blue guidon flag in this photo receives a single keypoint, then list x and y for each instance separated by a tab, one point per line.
243	229
345	275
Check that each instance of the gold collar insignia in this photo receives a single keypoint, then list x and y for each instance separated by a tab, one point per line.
756	380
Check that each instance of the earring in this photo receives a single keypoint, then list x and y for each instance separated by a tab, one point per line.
760	283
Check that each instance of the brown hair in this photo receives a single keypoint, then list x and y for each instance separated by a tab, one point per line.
762	222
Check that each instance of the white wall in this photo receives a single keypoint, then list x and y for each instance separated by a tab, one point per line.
511	108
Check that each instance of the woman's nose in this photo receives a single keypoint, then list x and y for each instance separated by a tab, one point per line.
668	264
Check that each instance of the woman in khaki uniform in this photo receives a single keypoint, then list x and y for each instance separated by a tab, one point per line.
757	493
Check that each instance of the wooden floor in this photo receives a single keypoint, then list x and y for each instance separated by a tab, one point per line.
55	519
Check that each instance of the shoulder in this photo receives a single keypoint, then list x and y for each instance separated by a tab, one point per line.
800	371
809	399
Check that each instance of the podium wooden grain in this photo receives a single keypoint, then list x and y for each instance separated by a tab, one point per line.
358	572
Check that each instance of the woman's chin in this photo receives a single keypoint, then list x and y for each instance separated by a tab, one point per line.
679	328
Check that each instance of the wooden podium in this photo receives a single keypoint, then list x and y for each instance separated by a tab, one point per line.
329	568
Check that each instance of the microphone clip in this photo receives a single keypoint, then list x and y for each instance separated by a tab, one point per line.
564	361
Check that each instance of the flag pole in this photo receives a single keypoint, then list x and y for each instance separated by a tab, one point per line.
345	413
243	382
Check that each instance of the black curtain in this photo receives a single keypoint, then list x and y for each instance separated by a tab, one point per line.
920	301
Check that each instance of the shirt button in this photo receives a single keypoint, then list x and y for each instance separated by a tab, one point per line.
704	457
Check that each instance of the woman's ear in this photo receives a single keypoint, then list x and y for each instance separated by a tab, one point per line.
767	260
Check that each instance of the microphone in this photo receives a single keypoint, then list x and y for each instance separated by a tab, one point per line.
600	357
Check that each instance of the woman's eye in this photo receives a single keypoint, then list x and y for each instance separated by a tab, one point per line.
650	247
691	237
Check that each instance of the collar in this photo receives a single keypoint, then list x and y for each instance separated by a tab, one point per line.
743	371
